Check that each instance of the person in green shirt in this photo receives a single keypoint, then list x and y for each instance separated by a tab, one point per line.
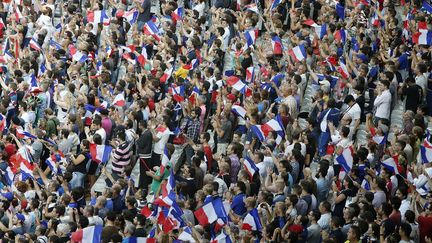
158	178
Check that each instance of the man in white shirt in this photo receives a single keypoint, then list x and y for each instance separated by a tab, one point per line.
97	125
325	210
382	102
354	111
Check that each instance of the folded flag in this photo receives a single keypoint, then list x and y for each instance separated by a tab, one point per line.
91	234
250	167
210	212
119	100
252	221
77	55
298	53
423	37
346	159
274	125
239	111
392	165
100	153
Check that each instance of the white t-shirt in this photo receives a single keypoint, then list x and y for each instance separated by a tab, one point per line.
102	133
354	112
163	139
200	8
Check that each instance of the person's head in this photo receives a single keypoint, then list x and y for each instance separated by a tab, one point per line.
405	230
129	230
240	187
314	216
324	207
354	234
385	210
384	84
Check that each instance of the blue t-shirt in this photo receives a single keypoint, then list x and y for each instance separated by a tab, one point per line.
238	205
403	62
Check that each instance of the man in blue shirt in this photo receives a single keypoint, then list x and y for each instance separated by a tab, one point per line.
238	205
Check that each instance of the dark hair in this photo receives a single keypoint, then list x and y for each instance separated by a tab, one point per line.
406	228
386	208
241	185
356	231
316	214
326	205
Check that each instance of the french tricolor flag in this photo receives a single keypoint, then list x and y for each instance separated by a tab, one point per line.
131	16
165	160
119	100
252	221
55	44
340	11
18	14
277	45
91	234
375	20
2	122
139	240
392	165
365	185
186	235
239	111
277	79
298	53
310	22
26	162
426	6
100	153
20	133
426	152
423	37
9	176
33	44
251	36
274	124
166	75
341	35
380	140
321	30
236	83
210	212
250	74
250	167
222	238
98	16
150	28
53	161
77	55
178	93
346	159
177	14
343	70
252	7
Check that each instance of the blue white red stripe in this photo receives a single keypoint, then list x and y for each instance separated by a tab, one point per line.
392	165
238	110
252	221
298	53
346	159
423	37
274	125
251	36
250	167
77	55
100	153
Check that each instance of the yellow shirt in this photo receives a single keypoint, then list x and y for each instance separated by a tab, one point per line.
181	72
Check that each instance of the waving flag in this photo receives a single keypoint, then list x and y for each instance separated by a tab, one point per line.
77	55
139	240
250	74
222	238
131	16
53	161
252	7
250	167
2	122
321	30
426	151
9	176
277	79
252	221
35	45
275	3
178	92
91	234
274	125
150	28
210	212
251	36
380	140
239	111
18	14
164	161
277	45
392	165
177	14
426	6
375	20
186	235
20	133
98	16
236	83
119	100
298	53
341	36
346	159
23	157
343	70
55	44
340	11
100	153
365	185
423	37
166	75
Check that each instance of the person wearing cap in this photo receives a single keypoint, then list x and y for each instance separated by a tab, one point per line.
16	223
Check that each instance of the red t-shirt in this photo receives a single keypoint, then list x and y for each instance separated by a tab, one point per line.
425	227
208	154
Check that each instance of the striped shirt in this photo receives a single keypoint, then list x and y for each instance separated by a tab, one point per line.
121	157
